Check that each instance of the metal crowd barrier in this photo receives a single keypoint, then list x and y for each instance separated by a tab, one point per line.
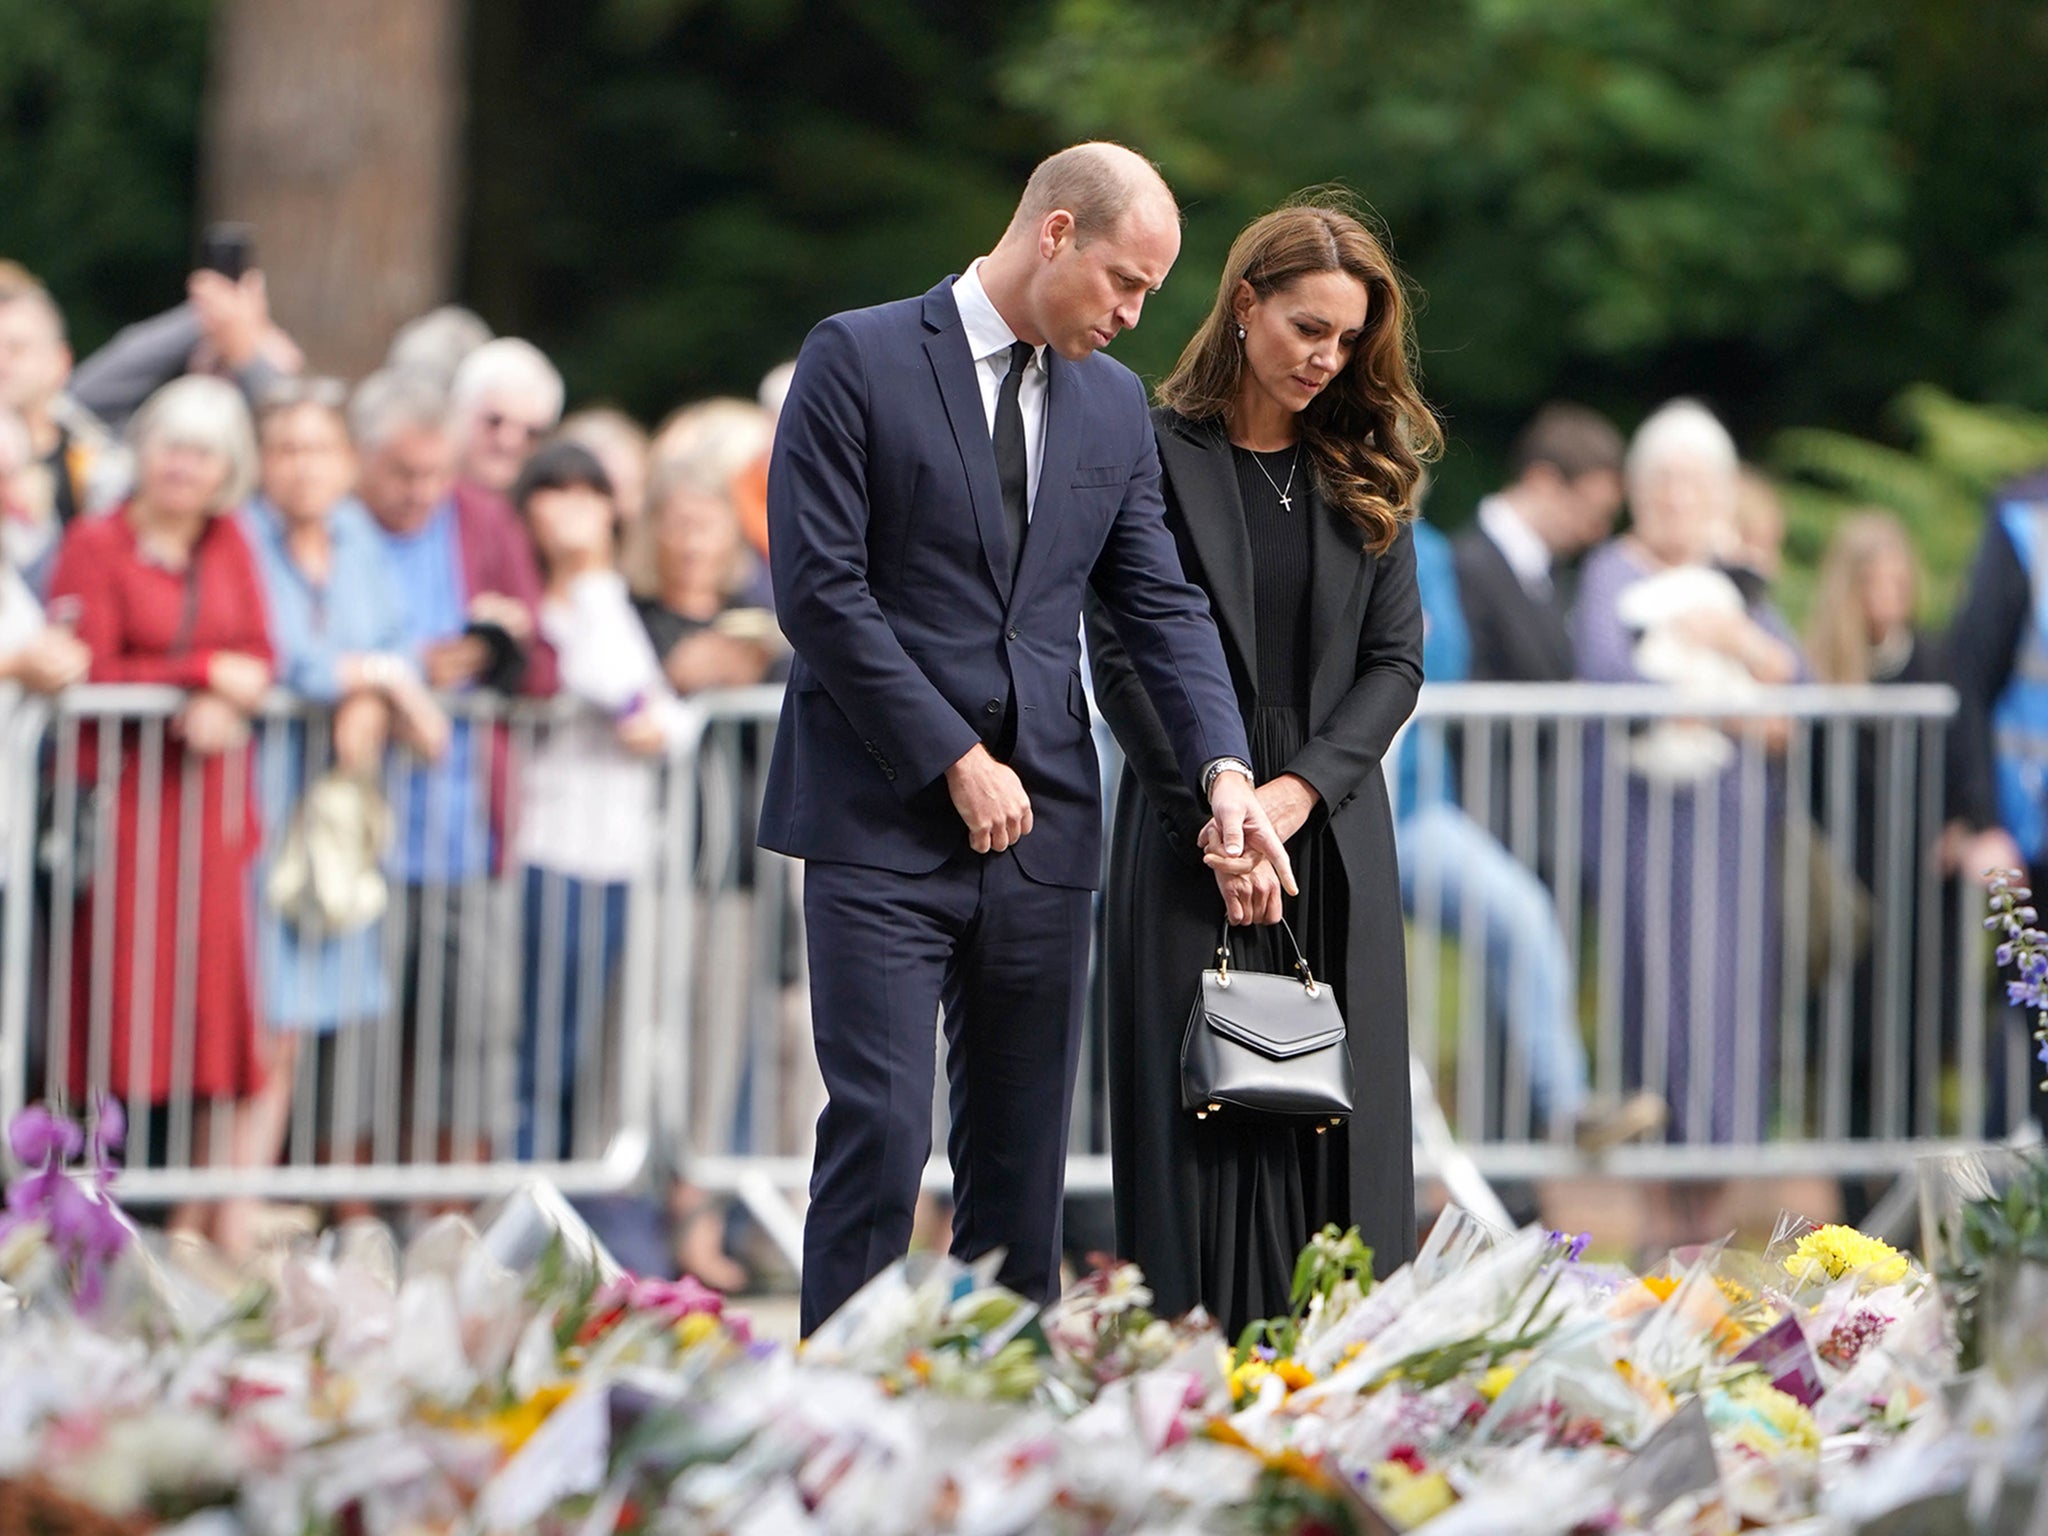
1851	984
487	1027
1752	923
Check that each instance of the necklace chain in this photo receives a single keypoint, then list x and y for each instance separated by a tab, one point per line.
1286	499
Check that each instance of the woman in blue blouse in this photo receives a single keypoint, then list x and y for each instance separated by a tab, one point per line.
339	634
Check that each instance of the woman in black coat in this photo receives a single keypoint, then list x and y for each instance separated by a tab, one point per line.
1291	437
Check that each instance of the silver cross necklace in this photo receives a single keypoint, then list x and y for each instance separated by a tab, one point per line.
1286	500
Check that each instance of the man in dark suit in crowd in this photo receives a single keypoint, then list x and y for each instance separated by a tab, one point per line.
1512	567
950	473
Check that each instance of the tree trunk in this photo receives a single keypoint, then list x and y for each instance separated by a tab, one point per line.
334	127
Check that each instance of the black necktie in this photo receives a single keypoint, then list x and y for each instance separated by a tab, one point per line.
1010	462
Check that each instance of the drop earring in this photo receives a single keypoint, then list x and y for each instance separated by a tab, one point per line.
1240	333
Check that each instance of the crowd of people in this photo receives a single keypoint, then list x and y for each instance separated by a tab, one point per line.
190	506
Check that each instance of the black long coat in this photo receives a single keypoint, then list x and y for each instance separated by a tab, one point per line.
1173	1214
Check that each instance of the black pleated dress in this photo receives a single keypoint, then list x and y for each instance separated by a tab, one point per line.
1217	1211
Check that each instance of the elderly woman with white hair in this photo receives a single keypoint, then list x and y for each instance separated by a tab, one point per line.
1700	964
165	590
506	397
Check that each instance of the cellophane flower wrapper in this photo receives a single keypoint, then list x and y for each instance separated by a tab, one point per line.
1502	1291
1528	1490
1573	1386
1685	1339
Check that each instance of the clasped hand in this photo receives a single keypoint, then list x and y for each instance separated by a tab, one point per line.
1244	842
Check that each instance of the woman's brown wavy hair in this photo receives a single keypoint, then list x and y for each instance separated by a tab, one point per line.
1370	431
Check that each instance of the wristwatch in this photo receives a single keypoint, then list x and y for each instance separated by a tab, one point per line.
1225	765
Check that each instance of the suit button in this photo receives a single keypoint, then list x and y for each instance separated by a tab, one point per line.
1011	633
994	706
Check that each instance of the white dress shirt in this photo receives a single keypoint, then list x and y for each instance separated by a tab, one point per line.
1522	547
989	341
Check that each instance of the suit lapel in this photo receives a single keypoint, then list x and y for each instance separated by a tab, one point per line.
961	392
1337	571
1063	411
1196	457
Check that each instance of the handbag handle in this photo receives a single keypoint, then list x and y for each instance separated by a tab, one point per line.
1308	980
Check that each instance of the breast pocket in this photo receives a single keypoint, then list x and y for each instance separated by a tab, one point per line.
1096	475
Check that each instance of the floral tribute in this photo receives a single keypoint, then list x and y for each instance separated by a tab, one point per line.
511	1379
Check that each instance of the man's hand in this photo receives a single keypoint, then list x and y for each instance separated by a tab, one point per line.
234	314
456	663
1973	854
1239	834
508	613
990	799
240	679
1252	898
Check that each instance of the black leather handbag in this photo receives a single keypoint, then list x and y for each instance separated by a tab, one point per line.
1274	1045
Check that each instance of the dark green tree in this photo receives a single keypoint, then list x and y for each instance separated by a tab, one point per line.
99	132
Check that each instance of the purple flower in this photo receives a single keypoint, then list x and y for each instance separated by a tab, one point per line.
1577	1250
109	1129
85	1227
2003	954
37	1136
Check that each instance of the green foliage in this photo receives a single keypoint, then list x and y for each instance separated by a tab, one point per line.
99	129
1993	1236
668	195
1588	191
1960	453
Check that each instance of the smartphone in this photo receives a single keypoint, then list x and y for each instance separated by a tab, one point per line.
227	249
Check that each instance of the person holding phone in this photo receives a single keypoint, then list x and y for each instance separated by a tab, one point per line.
223	328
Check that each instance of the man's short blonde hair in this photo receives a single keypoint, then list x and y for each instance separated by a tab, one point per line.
1097	183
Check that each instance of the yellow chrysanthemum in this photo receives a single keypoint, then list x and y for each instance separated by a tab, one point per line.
1497	1381
1294	1373
1734	1292
1245	1380
1773	1420
1408	1497
1835	1250
1660	1286
513	1427
695	1329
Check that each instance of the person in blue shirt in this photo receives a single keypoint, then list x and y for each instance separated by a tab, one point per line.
1456	876
339	633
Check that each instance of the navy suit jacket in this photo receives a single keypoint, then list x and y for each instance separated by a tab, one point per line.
886	541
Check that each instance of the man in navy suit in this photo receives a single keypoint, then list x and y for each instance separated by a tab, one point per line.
950	473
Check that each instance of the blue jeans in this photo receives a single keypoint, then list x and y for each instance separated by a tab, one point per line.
571	954
1529	979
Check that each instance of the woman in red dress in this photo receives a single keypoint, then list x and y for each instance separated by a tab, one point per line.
163	590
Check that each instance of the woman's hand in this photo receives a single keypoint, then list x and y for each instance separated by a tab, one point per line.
51	662
211	724
240	679
641	732
1743	640
1288	801
708	659
362	721
1251	898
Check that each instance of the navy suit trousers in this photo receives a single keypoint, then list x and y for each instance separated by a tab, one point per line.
1007	960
